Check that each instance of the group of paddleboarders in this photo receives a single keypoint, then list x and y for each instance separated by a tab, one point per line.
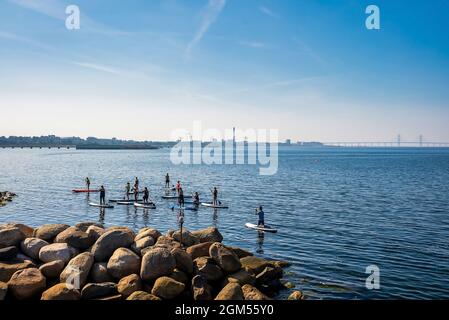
178	189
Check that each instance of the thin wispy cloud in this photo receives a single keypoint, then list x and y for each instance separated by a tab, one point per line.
56	9
24	40
253	44
268	12
211	14
97	67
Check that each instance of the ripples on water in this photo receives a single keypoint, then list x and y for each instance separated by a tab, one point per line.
337	210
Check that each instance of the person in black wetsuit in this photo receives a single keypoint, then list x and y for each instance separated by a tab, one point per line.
127	190
88	183
167	181
181	198
102	195
146	195
261	222
215	196
196	199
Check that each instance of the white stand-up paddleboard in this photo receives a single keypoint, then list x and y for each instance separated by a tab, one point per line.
184	208
145	205
125	200
256	227
210	205
127	203
107	206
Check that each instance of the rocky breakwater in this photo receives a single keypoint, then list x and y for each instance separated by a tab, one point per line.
87	261
6	197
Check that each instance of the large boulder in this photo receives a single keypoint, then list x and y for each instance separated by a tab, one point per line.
252	293
122	263
129	284
84	226
32	246
77	270
183	260
206	267
8	253
99	273
241	253
61	291
167	288
188	239
3	290
48	232
7	269
75	238
95	232
26	230
157	262
57	251
110	241
269	274
27	283
241	277
232	291
142	243
167	242
52	269
210	234
180	276
254	264
142	295
225	257
201	289
199	250
98	290
10	236
148	232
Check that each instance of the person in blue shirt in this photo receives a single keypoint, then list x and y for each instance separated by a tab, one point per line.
261	214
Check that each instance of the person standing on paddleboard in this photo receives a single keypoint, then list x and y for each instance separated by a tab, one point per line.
88	183
127	190
196	199
261	214
167	181
136	183
146	195
102	195
181	198
178	186
215	197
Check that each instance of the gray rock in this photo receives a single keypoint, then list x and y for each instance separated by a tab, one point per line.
206	267
95	232
225	257
110	241
56	251
129	284
52	269
157	262
188	239
210	234
148	232
98	290
32	246
77	270
10	236
8	268
183	260
48	232
201	289
75	238
142	243
199	250
122	263
232	291
99	273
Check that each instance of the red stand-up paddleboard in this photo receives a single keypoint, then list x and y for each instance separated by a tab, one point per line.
84	190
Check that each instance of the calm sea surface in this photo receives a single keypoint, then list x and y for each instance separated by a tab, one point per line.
337	210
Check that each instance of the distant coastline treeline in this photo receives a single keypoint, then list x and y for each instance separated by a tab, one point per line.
79	143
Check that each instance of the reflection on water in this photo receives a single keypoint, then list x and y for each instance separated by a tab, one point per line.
260	239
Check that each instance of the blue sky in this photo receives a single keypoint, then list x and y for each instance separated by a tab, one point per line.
308	68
